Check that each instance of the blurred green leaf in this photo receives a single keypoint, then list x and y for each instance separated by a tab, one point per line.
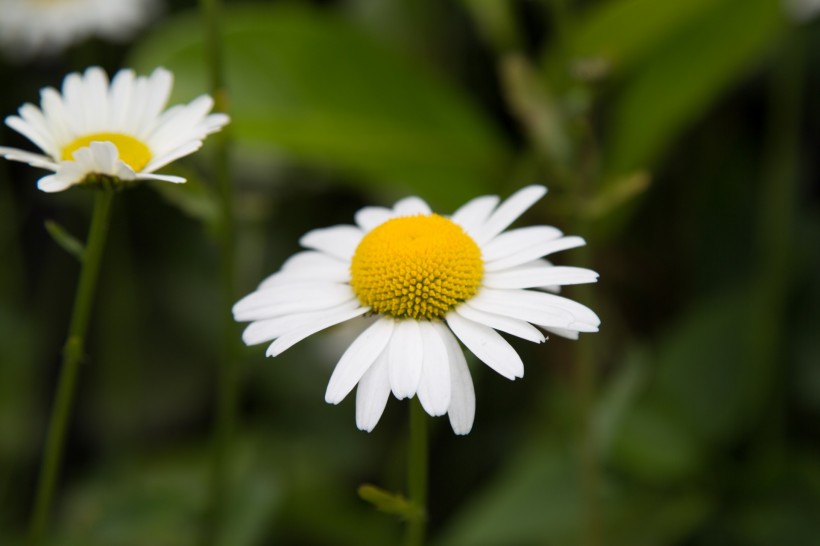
620	32
685	75
65	240
391	503
308	83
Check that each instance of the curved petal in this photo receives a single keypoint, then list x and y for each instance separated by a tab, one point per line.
516	240
475	212
361	354
487	345
434	386
338	241
261	331
297	334
518	328
293	298
462	394
405	355
508	212
534	252
411	206
308	265
372	394
537	277
368	218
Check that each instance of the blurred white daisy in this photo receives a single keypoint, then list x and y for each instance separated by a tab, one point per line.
29	27
94	131
429	280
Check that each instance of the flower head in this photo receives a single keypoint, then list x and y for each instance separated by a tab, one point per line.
120	131
429	280
28	27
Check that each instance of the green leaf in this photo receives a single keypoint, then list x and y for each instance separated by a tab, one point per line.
621	32
685	75
67	242
310	84
391	503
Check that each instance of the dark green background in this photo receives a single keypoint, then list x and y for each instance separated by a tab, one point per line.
680	138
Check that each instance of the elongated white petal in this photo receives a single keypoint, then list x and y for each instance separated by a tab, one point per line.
434	386
508	212
372	394
462	394
475	212
361	354
546	310
569	334
295	335
265	330
518	328
53	183
410	206
539	277
281	300
516	240
309	266
368	218
487	345
160	177
534	252
406	352
35	160
338	241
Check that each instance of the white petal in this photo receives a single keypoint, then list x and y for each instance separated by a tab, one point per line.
434	386
508	212
35	160
160	177
295	335
517	240
53	183
569	334
372	394
475	212
160	161
368	218
518	328
338	241
531	253
539	277
411	206
293	298
546	310
30	132
405	355
462	394
487	345
361	354
309	266
265	330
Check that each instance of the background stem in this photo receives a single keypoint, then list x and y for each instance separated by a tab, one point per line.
72	355
417	473
227	385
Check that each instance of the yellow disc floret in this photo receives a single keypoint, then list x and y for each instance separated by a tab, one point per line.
132	152
417	267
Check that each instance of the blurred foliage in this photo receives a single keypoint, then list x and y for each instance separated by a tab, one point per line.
678	137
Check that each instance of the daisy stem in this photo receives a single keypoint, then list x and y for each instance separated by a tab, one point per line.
73	352
417	474
227	386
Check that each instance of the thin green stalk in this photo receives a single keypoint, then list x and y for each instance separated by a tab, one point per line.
417	474
227	395
72	355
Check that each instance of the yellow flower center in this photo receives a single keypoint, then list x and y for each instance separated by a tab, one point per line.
416	267
134	153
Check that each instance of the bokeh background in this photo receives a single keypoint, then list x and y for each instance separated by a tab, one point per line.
680	138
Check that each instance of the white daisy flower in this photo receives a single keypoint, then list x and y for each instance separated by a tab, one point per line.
28	27
430	281
94	131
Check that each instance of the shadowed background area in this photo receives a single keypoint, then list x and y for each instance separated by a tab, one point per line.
679	138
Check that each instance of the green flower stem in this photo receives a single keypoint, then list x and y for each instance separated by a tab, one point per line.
417	474
73	352
227	386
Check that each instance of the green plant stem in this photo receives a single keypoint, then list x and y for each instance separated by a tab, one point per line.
417	474
227	385
73	352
